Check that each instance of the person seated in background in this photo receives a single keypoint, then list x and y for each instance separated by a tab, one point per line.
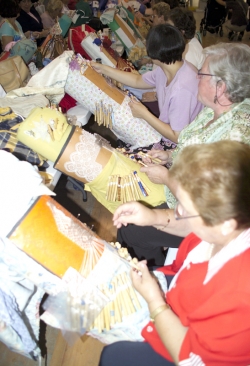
10	30
175	82
160	13
172	3
52	13
224	89
31	21
160	16
238	19
184	20
203	317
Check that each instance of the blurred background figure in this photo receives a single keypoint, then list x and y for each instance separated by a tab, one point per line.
237	17
53	11
31	21
184	20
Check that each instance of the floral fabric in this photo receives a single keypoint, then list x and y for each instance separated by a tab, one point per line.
233	125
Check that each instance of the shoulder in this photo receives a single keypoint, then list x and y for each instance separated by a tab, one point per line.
241	111
186	78
157	73
35	12
6	29
19	25
188	68
22	16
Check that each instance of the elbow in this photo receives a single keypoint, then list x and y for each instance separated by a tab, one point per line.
175	137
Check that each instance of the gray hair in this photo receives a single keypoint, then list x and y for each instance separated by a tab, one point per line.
231	63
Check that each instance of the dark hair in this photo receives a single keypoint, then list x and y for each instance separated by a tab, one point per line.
184	20
9	8
165	43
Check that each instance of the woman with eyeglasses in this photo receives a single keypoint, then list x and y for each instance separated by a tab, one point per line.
224	89
204	317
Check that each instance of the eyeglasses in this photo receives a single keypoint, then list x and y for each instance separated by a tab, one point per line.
179	212
201	75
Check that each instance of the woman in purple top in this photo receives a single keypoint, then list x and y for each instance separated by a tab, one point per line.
175	82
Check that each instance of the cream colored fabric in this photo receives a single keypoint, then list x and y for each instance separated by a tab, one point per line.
24	105
50	81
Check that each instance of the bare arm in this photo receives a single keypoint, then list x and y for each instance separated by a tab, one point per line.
137	214
140	111
127	78
5	40
168	325
159	174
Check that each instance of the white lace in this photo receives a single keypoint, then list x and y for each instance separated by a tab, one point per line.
82	161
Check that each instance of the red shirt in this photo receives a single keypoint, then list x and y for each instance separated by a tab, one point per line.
216	313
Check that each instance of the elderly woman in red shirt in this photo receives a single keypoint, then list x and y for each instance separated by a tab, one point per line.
203	319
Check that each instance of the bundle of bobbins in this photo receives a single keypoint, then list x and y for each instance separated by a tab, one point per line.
123	253
123	298
53	125
103	114
126	188
123	302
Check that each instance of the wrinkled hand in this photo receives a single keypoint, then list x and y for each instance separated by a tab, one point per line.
146	284
163	157
138	109
149	97
133	213
156	173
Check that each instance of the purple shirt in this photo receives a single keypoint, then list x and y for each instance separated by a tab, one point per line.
178	103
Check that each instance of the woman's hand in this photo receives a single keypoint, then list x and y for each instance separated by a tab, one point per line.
156	173
97	67
163	157
149	97
36	34
27	34
44	33
133	213
146	284
138	109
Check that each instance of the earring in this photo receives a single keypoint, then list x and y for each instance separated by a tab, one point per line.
215	99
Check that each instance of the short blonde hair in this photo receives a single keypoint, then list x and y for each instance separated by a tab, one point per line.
217	178
54	5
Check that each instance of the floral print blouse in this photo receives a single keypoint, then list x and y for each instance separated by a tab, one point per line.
232	125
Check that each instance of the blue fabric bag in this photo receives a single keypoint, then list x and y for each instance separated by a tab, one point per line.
25	48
